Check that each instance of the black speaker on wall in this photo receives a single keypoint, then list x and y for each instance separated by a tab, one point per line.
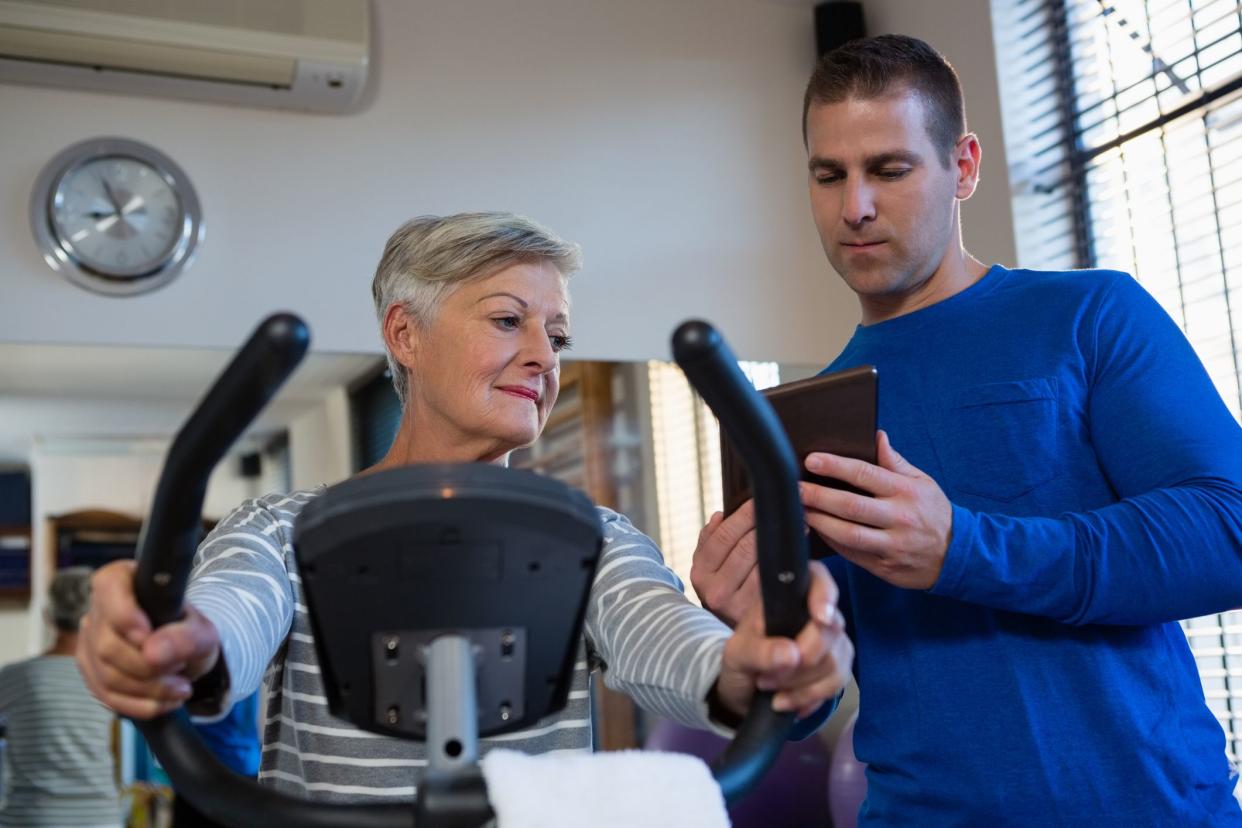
837	22
251	464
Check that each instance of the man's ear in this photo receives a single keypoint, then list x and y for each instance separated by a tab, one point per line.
401	334
967	156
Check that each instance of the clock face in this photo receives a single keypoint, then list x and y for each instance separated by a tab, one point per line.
117	216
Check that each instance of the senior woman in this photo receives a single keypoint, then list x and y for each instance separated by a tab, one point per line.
474	313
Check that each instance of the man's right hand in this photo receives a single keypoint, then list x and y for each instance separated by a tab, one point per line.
725	570
137	672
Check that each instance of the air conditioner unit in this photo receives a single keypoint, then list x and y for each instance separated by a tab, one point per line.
296	54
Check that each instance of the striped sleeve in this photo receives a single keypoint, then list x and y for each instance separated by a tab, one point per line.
240	582
656	647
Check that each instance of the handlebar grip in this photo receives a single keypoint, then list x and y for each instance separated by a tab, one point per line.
753	427
171	533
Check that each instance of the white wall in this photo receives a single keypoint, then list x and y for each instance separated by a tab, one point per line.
107	454
68	475
962	31
662	136
27	418
320	448
16	622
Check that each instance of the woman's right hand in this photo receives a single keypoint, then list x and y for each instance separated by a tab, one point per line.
135	671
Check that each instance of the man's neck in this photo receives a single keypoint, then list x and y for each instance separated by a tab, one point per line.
955	273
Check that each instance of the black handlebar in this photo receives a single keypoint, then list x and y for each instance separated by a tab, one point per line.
751	424
166	549
172	531
229	799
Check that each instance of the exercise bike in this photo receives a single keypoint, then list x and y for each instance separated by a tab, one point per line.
447	600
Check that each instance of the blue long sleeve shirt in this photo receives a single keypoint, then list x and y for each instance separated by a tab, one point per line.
1096	482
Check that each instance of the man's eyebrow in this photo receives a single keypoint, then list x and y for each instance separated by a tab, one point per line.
818	162
894	157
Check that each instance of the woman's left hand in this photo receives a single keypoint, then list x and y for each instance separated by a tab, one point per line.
805	671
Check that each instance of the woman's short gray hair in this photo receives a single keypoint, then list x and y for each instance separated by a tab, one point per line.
69	597
430	256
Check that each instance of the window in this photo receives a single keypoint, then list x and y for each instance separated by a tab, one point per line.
686	445
1123	122
375	416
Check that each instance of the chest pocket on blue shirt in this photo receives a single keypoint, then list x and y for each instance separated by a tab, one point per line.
999	440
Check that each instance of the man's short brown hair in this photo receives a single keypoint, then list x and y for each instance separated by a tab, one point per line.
874	67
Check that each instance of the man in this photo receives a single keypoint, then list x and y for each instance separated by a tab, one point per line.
1070	484
58	766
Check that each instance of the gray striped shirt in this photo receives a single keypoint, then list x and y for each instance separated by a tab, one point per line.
58	768
652	644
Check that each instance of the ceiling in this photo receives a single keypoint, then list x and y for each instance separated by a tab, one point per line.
120	373
72	392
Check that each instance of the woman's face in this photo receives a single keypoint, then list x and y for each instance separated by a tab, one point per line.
485	373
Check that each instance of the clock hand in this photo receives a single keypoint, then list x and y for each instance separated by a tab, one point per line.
135	204
111	195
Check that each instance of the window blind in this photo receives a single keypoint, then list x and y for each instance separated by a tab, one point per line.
686	449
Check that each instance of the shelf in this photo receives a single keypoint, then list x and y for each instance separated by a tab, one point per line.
96	520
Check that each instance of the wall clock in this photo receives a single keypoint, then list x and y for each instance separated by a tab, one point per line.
115	216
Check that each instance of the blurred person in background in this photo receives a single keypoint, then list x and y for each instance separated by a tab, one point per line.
58	763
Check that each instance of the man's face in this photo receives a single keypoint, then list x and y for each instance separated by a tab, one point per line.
883	200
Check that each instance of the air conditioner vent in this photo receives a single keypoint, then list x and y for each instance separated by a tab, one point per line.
298	54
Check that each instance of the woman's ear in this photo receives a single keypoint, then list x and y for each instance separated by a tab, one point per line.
401	334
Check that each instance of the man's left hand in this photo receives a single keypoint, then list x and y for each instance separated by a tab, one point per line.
900	534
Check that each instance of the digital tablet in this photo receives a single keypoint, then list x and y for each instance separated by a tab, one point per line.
833	412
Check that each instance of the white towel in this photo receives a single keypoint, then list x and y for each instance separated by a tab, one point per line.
623	789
